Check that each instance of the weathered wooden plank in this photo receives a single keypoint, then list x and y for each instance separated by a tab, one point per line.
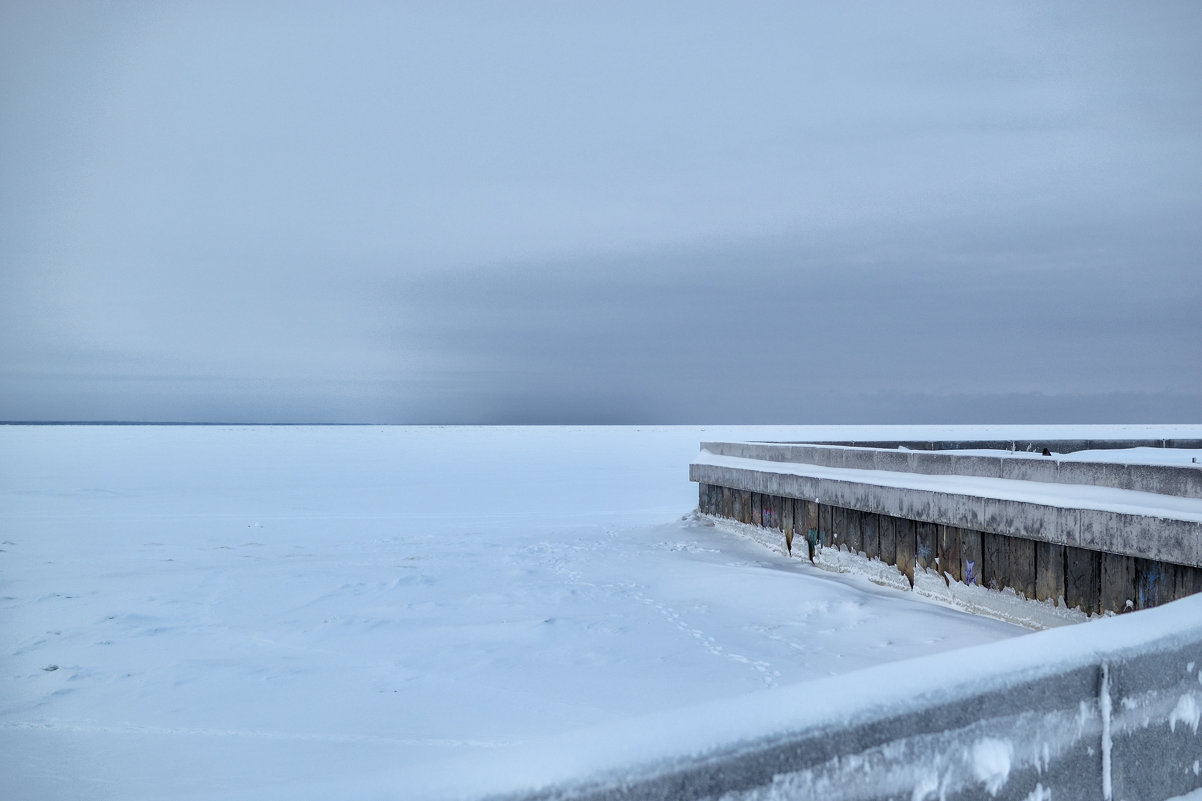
1187	581
995	556
839	527
870	534
728	502
1117	579
1154	583
854	534
1082	589
948	538
757	509
788	509
1049	572
810	525
887	533
1022	566
926	543
905	543
970	556
744	506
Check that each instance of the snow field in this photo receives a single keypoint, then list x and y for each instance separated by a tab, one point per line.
206	611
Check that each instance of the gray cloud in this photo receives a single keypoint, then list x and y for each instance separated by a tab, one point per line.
535	212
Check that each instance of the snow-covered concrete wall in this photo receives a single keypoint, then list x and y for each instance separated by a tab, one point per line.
1104	710
1153	535
1056	444
1097	535
1178	480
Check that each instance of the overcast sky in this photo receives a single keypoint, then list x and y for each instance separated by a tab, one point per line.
601	212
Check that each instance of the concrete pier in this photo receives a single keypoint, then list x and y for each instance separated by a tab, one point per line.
1095	535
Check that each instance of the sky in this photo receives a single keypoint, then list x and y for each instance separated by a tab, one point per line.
610	212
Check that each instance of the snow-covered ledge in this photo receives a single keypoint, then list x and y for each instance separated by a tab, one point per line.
1138	523
1104	710
1104	530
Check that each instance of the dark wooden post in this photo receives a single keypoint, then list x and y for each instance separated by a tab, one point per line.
1049	572
812	523
855	536
826	526
995	553
970	556
925	547
1082	588
1187	581
906	543
949	552
1154	583
887	533
1118	582
870	534
1022	566
786	522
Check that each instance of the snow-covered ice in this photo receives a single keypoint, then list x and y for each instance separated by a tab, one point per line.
206	610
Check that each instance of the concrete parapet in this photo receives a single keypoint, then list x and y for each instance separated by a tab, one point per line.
1183	481
1016	445
1169	540
1104	710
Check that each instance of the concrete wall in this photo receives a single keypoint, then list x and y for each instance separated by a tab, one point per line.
1159	539
1103	710
1182	481
1031	446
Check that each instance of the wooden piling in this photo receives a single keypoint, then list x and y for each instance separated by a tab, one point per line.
870	534
809	516
1022	566
1049	572
1082	577
1154	583
788	508
825	535
855	534
905	543
925	538
887	536
948	538
970	557
995	555
1118	582
1187	581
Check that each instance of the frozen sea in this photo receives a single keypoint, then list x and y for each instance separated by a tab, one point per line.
248	612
